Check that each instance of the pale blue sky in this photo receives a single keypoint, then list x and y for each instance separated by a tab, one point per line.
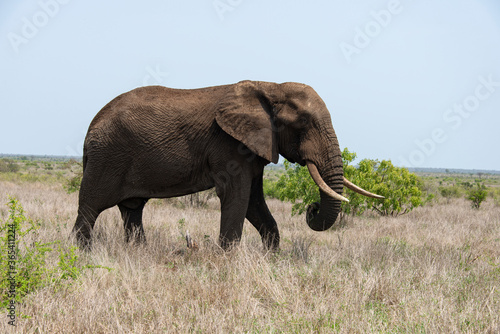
417	82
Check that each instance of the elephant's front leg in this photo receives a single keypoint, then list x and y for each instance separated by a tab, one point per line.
261	218
234	194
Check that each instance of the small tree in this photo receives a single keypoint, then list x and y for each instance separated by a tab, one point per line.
450	192
401	189
476	194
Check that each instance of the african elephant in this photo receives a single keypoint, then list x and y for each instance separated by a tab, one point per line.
158	142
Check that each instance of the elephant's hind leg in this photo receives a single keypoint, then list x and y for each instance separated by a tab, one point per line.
131	210
97	193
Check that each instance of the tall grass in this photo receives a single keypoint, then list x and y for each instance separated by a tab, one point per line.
434	270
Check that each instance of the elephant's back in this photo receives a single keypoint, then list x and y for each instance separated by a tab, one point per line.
130	106
153	119
157	103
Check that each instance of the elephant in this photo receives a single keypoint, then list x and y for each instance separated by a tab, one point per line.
159	142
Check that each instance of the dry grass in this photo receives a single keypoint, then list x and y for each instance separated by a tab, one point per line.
435	270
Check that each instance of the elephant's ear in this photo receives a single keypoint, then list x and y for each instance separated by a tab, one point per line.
246	114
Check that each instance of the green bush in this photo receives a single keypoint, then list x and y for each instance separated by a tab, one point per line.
3	166
449	192
25	264
270	188
476	194
402	190
8	166
73	184
466	185
31	164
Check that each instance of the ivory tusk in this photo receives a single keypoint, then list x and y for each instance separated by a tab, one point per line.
322	185
359	190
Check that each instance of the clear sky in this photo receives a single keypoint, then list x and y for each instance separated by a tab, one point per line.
417	82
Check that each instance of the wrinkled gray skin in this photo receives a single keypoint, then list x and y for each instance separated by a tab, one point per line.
157	142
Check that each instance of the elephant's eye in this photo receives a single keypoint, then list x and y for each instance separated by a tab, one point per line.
303	121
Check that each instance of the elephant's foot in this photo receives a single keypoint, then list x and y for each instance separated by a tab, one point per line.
271	242
227	244
83	241
136	236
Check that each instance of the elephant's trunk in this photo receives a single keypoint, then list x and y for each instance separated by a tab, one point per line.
321	216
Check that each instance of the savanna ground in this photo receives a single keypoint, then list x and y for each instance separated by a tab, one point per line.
433	270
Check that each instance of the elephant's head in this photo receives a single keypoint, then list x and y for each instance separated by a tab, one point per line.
292	120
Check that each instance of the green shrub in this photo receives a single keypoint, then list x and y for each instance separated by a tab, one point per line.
402	190
450	192
476	194
270	188
31	164
3	166
8	166
73	184
25	264
466	185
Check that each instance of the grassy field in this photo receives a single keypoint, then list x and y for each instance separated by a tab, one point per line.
433	270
